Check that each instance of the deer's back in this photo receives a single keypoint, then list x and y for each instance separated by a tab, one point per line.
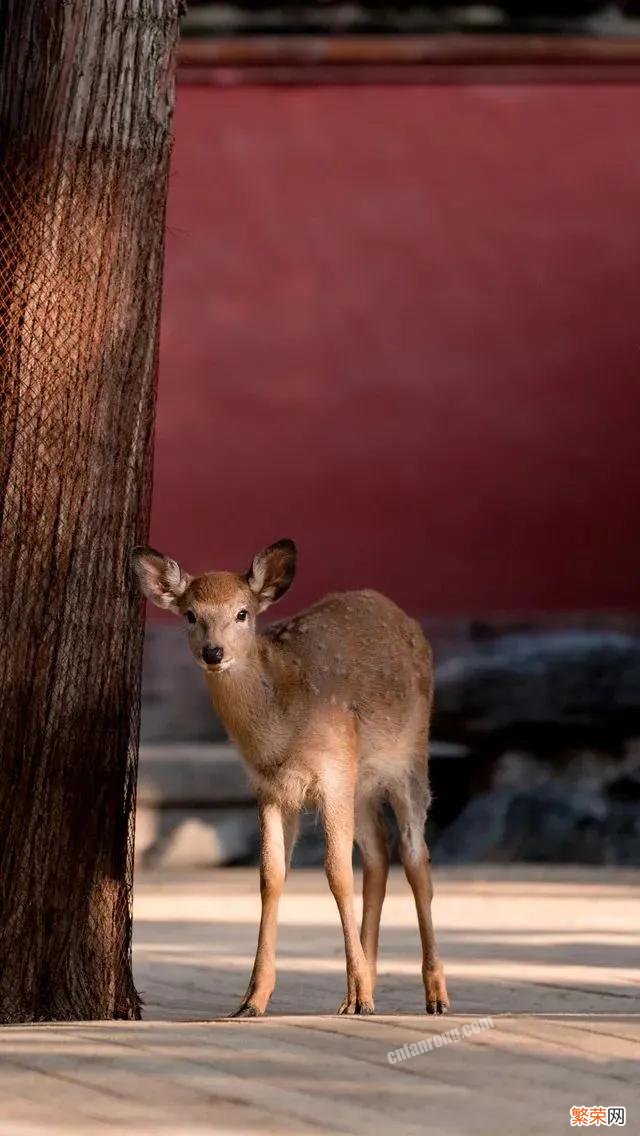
360	651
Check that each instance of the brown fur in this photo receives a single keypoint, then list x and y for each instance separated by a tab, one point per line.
330	709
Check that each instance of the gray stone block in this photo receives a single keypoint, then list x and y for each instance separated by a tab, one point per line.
195	838
539	690
180	774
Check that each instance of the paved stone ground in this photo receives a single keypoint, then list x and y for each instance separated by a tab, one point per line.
551	955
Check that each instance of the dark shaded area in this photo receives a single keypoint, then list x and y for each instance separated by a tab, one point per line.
550	719
336	17
541	691
548	823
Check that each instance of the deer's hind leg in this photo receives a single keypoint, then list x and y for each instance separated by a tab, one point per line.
410	801
372	840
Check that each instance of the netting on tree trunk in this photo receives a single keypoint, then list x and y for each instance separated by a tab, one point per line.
81	242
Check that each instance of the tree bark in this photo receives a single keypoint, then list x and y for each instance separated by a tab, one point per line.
86	100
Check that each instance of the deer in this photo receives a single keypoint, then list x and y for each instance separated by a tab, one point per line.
330	709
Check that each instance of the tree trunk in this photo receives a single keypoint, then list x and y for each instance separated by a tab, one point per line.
86	100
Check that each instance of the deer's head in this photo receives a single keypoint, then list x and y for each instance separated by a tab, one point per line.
219	608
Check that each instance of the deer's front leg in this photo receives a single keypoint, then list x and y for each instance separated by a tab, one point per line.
278	832
338	813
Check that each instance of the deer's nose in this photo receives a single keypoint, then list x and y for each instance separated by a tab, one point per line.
212	654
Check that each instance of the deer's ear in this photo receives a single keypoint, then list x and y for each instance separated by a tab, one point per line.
160	579
272	571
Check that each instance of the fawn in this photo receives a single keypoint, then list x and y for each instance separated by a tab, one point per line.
329	709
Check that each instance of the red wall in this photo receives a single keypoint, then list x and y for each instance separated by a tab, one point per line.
401	325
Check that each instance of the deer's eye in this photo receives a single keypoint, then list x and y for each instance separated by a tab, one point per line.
190	617
242	615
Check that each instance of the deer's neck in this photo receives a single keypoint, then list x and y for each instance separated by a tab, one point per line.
248	698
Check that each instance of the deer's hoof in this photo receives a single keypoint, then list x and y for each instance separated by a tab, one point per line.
356	1006
247	1011
437	1007
437	998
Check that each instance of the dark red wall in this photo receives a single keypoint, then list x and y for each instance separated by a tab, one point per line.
401	325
